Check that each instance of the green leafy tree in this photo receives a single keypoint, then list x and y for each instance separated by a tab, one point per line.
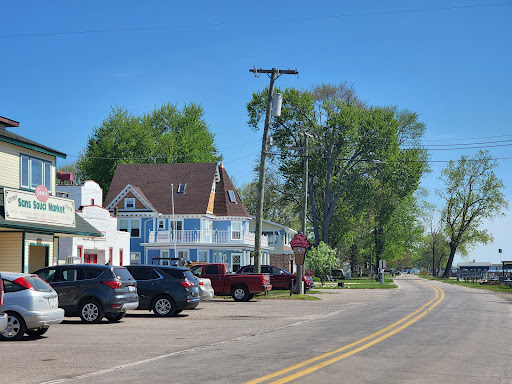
352	137
321	260
472	193
278	206
166	135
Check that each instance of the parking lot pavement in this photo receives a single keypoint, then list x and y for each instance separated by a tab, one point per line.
73	348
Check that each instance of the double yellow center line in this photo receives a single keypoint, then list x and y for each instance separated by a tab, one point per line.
306	367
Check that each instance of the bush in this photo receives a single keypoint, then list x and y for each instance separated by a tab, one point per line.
316	279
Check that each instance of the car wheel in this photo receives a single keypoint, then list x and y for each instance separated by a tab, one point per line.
91	311
15	329
240	294
164	306
113	317
37	332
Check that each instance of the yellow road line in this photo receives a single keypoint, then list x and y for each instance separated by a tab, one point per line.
378	340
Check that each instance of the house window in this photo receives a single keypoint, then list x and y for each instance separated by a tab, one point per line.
270	236
236	230
135	258
35	172
202	256
231	194
183	254
132	226
129	203
161	223
181	187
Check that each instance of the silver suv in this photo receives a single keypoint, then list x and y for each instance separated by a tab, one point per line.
3	316
31	305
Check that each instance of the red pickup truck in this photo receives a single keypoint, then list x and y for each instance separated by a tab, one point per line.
240	287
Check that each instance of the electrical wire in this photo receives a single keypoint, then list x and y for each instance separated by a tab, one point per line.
244	22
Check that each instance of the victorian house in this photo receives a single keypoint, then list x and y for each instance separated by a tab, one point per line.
186	211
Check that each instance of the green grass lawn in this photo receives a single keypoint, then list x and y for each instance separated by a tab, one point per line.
358	283
494	288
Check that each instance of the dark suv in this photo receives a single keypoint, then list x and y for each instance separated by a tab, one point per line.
92	291
164	289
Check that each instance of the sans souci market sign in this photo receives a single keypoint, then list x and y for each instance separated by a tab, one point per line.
38	208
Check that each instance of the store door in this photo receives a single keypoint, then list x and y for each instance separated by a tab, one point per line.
91	258
38	257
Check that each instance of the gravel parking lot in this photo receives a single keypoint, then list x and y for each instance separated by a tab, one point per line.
73	348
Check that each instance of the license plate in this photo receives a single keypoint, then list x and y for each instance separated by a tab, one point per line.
131	288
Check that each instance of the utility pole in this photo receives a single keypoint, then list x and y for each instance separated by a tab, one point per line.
274	74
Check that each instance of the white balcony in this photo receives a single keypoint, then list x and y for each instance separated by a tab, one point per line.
196	236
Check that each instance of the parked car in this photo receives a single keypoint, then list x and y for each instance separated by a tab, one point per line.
92	291
166	290
240	287
3	316
206	292
279	278
31	305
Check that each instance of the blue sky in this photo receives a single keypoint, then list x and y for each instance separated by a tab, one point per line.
65	64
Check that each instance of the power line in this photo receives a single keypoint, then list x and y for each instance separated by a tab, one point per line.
468	138
243	22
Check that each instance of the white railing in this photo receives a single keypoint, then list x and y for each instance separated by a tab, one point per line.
195	236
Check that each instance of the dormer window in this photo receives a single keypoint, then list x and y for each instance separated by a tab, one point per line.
232	197
181	187
129	203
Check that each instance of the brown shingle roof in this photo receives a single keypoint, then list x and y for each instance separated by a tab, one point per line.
153	181
223	206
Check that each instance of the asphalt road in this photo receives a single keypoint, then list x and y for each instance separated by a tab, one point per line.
424	332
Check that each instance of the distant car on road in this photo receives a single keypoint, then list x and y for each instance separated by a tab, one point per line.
279	278
164	289
92	291
31	305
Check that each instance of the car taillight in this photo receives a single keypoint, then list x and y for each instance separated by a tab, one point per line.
113	284
263	280
201	282
24	283
186	283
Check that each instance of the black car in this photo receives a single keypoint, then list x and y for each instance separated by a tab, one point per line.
92	291
164	289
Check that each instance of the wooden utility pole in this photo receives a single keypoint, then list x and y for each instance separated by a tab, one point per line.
274	74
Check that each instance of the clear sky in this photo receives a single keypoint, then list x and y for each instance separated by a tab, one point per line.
66	63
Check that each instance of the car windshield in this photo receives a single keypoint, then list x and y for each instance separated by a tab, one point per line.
123	274
38	283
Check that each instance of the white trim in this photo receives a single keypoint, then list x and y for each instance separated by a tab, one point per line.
123	193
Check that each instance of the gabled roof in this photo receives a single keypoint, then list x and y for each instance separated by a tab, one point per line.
137	192
223	206
21	141
153	183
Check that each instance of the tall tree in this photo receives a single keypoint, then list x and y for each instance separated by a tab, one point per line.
352	138
166	135
472	193
278	206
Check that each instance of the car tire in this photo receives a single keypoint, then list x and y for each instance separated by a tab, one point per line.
240	293
15	329
115	317
164	306
37	332
91	311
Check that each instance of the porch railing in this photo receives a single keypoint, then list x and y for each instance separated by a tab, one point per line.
195	236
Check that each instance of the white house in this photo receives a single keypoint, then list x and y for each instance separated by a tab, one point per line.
113	247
